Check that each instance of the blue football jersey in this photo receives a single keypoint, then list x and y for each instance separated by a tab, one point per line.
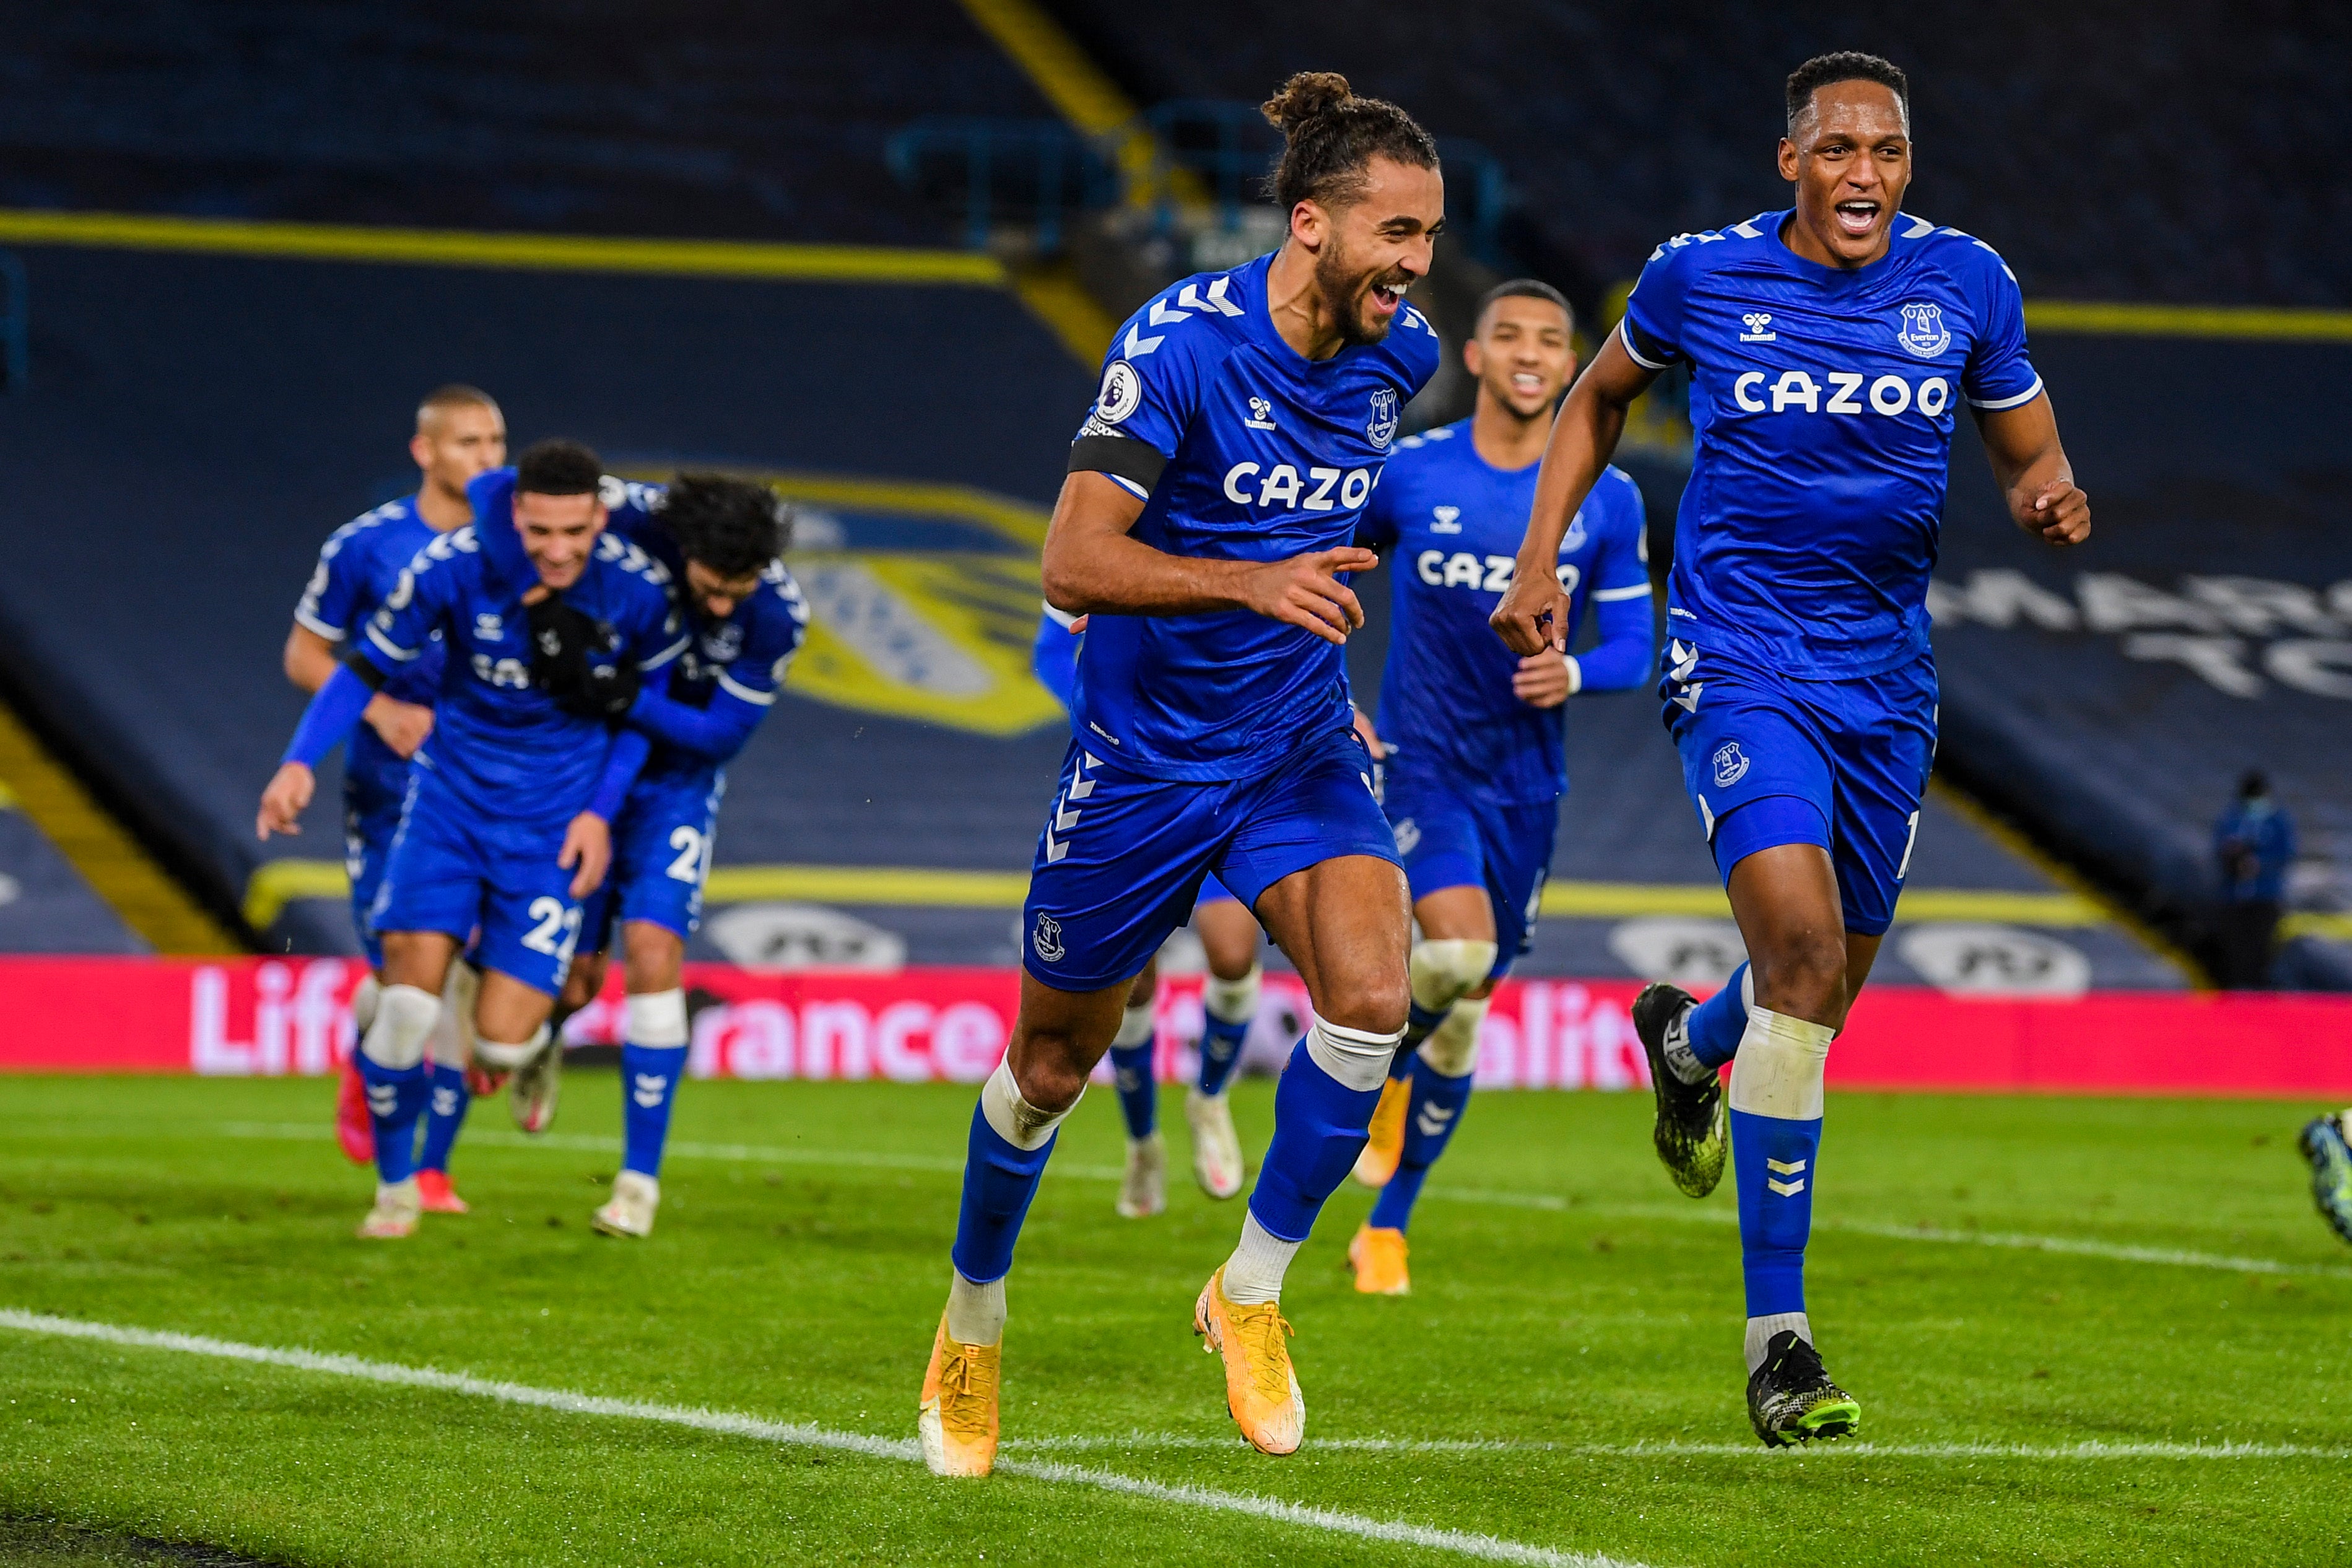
1450	524
1244	450
745	656
501	744
358	567
1821	404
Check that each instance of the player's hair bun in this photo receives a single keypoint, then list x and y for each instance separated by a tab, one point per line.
1303	97
1329	135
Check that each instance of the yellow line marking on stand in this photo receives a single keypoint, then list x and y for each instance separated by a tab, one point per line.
109	859
2121	319
744	259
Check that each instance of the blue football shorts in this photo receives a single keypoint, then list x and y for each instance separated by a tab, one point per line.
457	870
1768	760
1450	839
661	857
1122	857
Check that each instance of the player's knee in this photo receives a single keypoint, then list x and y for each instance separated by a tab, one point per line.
1452	1048
1779	1068
1445	970
658	1019
587	978
403	1017
1802	977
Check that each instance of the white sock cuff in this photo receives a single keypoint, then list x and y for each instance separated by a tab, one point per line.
404	1016
657	1019
1761	1329
1253	1273
1234	1001
504	1057
1442	970
1779	1069
1357	1058
1452	1048
1136	1024
975	1312
1016	1120
369	991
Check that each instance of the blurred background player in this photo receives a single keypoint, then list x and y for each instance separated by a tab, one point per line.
719	540
2253	845
1474	733
1229	999
459	434
506	826
1829	347
1205	527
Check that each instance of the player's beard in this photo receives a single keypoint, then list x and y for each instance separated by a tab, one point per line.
1344	290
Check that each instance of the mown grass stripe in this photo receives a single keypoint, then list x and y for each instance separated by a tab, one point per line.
750	1154
801	1434
1844	1447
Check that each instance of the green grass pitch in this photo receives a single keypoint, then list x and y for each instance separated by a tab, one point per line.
1564	1381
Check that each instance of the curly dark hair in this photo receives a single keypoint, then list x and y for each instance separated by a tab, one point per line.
1329	135
558	468
734	527
1846	65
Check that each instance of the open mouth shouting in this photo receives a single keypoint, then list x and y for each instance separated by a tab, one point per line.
1527	383
1387	295
1857	216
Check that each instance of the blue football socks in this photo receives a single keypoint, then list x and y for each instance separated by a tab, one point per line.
1776	1140
1717	1024
649	1076
395	1097
1431	1116
445	1112
1000	1178
1319	1130
1131	1074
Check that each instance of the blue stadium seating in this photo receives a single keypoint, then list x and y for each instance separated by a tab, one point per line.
44	905
2105	153
697	118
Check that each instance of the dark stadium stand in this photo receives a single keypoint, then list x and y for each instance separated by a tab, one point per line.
44	905
702	119
1622	126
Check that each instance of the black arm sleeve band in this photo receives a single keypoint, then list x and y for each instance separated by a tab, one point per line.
1648	347
1123	455
360	665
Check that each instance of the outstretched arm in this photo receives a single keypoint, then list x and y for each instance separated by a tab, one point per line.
2030	466
714	734
325	723
1091	565
1533	616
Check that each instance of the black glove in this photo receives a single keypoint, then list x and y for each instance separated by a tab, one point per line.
576	659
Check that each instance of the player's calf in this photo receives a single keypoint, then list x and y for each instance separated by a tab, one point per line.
1143	1190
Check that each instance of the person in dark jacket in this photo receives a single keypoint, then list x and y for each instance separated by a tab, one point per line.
2254	844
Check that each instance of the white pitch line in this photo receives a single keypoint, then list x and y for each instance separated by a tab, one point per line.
747	1154
1145	1441
1487	1548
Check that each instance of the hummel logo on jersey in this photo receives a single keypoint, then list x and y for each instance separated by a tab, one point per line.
1261	414
489	627
1730	764
1065	816
1758	321
382	1098
1433	1120
1048	940
1407	834
648	1088
1448	519
1924	332
1792	1168
1383	427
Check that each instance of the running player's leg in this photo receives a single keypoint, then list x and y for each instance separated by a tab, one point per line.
1316	860
530	928
2326	1143
1499	918
370	823
1439	840
1229	1003
1143	1189
1117	869
653	1064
